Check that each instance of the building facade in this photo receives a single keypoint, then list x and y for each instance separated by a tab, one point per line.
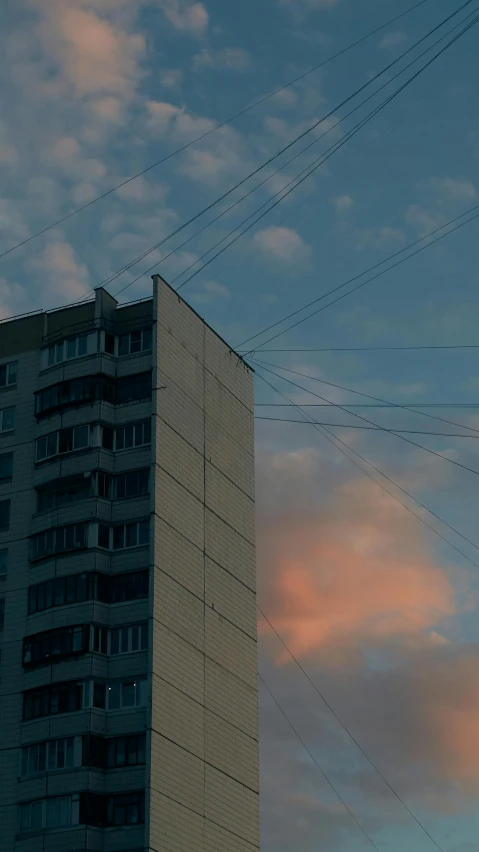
128	692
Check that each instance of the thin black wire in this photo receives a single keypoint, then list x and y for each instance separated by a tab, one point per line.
343	141
333	788
290	144
346	729
369	428
374	348
219	126
153	248
332	438
370	405
372	423
385	402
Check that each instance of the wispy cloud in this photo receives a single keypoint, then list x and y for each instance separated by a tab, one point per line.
393	40
231	58
282	245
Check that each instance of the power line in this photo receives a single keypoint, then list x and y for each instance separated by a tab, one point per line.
369	428
409	405
294	141
335	441
377	399
372	423
345	139
346	729
374	348
360	275
217	127
333	788
157	245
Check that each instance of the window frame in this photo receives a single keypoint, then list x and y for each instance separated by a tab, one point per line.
4	430
9	476
145	334
87	586
9	381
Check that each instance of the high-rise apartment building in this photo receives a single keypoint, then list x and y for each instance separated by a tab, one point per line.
128	693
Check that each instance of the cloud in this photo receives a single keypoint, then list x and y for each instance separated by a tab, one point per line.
209	291
343	203
460	191
391	41
425	221
66	277
378	237
282	245
171	78
232	58
189	18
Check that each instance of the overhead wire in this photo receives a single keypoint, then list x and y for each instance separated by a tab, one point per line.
356	277
316	164
293	142
348	732
109	279
323	773
217	127
386	402
336	441
372	423
368	428
375	348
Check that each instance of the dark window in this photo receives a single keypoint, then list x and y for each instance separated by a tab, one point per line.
6	466
126	751
132	484
7	419
124	345
135	341
133	388
104	485
107	437
82	345
109	343
55	644
4	514
50	700
3	562
126	809
90	586
99	695
104	536
53	499
8	374
2	613
58	540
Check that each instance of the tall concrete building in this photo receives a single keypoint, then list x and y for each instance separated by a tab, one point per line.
128	693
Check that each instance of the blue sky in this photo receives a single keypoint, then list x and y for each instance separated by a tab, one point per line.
379	610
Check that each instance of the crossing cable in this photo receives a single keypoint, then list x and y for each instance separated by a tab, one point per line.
317	164
368	428
376	348
334	440
372	423
219	126
157	245
350	735
333	788
385	402
301	136
355	278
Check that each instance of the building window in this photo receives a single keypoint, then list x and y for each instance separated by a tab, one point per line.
133	388
49	497
132	484
8	374
98	639
127	437
51	755
109	343
4	514
126	809
135	341
120	695
123	536
52	699
7	420
2	613
103	484
58	540
54	812
6	467
127	640
3	562
64	441
52	645
77	588
90	389
74	347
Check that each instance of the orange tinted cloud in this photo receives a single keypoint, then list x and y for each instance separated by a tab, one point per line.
349	574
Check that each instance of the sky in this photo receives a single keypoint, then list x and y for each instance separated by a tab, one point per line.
378	610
